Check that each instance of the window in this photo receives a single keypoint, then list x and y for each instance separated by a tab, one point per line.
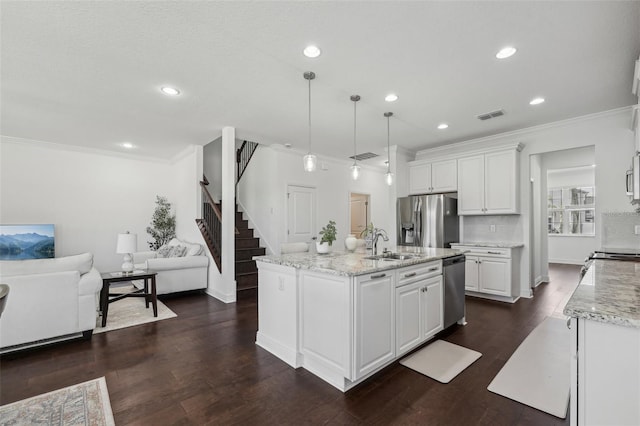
571	210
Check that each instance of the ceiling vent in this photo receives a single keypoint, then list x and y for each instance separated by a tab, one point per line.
492	114
364	156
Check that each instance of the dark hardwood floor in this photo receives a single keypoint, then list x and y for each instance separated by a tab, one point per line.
203	367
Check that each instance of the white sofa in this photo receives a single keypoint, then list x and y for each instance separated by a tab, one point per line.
49	298
186	272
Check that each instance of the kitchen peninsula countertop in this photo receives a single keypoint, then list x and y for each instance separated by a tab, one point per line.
609	292
351	264
493	244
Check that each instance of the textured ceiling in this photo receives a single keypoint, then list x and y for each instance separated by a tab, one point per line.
89	73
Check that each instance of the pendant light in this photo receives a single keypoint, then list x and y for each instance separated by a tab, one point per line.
355	169
389	175
310	159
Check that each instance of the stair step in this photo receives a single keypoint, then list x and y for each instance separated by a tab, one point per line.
244	266
248	253
245	233
242	224
246	281
247	242
239	215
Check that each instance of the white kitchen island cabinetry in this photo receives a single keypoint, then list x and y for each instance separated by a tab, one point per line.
605	339
419	306
335	315
488	183
491	270
434	177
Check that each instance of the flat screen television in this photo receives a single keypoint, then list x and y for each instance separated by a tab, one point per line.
19	242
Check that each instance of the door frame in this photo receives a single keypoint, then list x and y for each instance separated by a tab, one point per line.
368	213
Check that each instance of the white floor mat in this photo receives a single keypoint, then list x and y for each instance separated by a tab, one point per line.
538	372
441	360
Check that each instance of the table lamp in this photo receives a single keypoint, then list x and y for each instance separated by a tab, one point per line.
127	244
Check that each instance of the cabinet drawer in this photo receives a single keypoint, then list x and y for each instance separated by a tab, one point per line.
484	251
411	274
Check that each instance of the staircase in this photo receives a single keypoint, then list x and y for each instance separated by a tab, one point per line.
247	246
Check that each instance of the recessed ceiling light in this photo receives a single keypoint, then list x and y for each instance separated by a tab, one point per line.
442	126
172	91
506	52
536	101
391	97
127	145
312	51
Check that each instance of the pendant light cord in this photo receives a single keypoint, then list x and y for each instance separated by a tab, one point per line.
355	152
309	136
388	149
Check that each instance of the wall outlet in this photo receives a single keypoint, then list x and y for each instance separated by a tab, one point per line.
281	284
636	229
492	228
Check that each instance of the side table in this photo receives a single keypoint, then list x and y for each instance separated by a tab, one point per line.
114	277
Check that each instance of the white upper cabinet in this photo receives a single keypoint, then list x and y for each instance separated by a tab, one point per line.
488	183
635	125
438	176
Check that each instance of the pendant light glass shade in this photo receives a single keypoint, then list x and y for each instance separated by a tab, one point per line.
310	160
355	169
388	176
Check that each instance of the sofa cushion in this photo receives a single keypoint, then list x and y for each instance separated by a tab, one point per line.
81	263
192	248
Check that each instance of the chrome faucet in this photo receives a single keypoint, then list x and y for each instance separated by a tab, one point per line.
377	233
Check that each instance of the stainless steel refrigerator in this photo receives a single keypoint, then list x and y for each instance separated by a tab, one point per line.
428	220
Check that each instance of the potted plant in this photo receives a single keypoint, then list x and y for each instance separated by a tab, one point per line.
327	237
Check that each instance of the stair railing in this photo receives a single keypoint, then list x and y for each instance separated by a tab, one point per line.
243	156
211	224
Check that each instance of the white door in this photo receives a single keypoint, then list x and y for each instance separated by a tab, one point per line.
301	213
359	213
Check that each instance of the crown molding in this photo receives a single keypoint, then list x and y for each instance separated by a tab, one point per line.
484	143
77	148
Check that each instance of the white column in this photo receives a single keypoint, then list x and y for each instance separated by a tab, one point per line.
228	213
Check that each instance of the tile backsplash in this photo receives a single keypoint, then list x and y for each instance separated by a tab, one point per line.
479	228
618	230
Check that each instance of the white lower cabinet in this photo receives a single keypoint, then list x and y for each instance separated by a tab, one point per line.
374	320
605	374
419	312
491	271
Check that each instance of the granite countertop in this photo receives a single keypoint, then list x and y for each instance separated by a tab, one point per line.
351	264
609	292
493	244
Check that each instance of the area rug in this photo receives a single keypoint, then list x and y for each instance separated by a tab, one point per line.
82	404
538	372
131	311
441	360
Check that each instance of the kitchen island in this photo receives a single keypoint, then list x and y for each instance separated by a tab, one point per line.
605	361
345	316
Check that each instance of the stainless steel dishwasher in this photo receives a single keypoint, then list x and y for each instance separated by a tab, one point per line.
453	270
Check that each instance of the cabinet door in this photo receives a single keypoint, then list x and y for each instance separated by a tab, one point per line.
444	176
495	275
408	307
432	311
471	273
419	179
374	322
501	182
471	185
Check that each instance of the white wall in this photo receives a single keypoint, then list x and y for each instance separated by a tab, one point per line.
262	194
90	196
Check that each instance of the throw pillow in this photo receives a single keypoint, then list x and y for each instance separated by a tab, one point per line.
164	251
178	251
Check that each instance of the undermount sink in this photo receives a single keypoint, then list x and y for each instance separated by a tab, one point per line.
390	256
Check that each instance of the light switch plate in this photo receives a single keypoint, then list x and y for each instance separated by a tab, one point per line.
637	230
492	228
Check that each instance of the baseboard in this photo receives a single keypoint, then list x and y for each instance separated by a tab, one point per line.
495	297
226	298
288	355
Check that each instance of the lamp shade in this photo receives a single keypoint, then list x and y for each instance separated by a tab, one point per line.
127	243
